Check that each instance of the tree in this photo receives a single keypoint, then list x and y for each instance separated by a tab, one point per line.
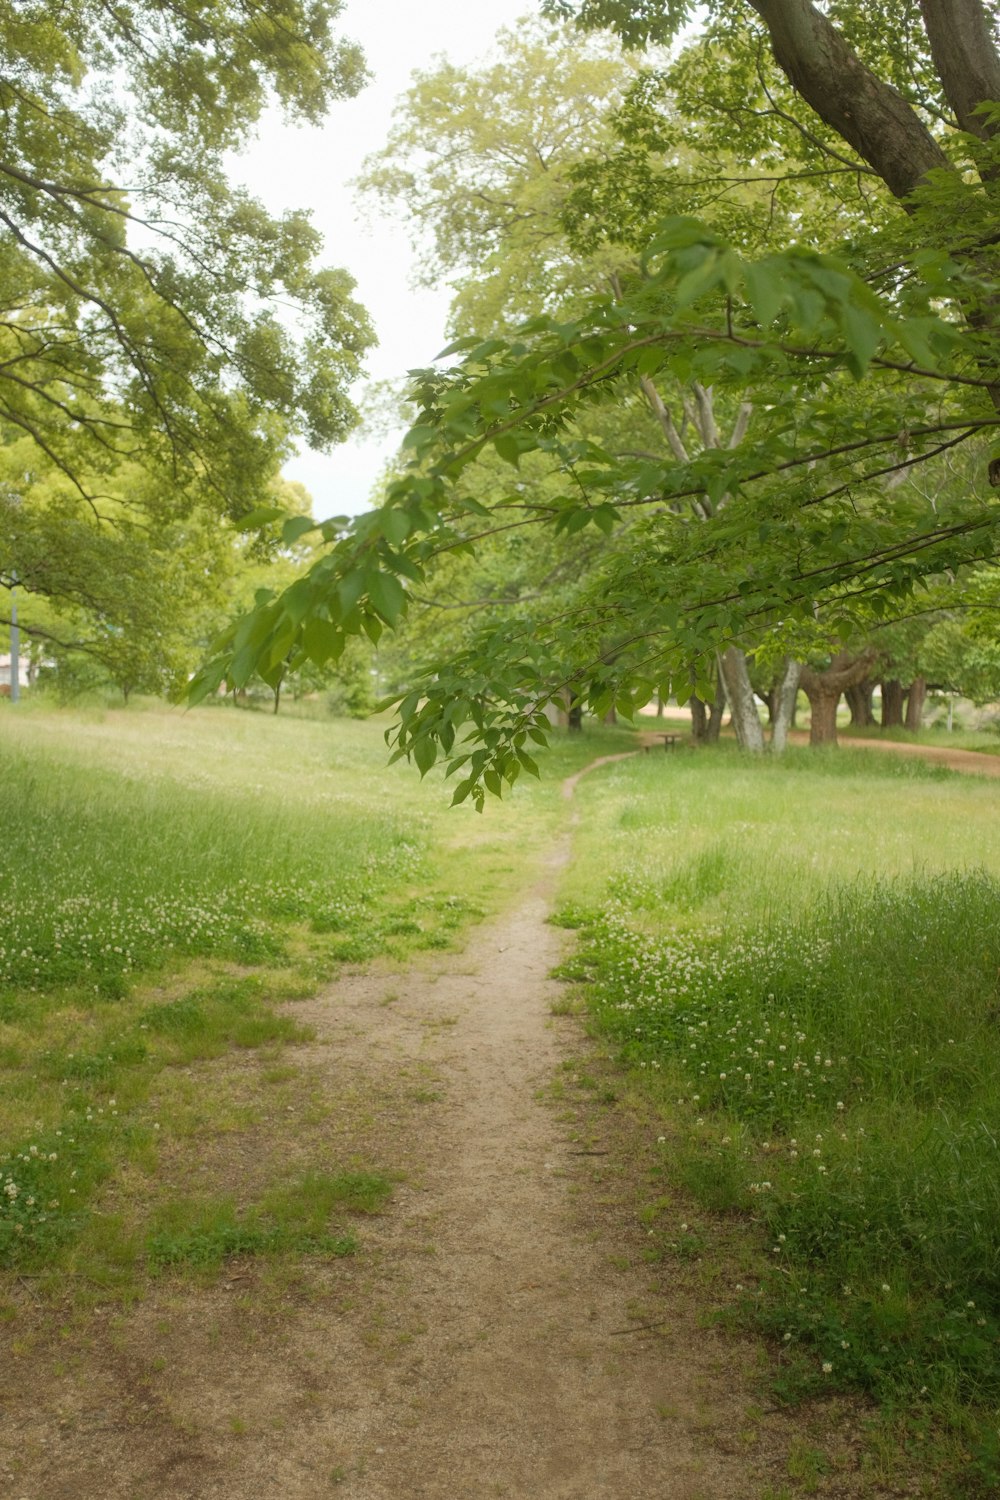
154	320
511	170
480	162
861	373
916	97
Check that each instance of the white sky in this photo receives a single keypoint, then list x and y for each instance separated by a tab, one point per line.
291	167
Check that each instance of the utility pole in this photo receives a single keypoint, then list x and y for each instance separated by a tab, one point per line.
15	652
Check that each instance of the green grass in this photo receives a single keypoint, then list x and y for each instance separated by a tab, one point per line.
295	1217
168	878
802	965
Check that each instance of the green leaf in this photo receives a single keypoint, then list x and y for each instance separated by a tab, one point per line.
387	595
863	334
425	754
322	641
295	527
530	765
508	448
260	516
395	524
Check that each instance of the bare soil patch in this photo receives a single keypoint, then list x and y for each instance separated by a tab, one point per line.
485	1342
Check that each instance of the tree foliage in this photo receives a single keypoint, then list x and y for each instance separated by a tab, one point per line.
862	368
162	337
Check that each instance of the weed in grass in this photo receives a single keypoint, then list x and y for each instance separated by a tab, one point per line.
806	1465
202	1233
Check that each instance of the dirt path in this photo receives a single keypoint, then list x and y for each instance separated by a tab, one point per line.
477	1346
972	762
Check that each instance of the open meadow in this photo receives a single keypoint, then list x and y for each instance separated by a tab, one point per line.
167	878
789	973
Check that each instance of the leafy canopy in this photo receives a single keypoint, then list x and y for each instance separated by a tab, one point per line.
149	311
860	367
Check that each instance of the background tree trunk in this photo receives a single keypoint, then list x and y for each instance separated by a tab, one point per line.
823	703
859	701
699	719
915	703
892	703
824	689
746	720
718	708
864	111
784	696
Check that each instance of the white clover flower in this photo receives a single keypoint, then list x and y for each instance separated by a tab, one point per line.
827	1368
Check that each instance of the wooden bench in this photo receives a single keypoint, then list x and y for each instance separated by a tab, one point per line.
670	741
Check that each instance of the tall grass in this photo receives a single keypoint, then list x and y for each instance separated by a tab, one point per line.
103	875
826	1042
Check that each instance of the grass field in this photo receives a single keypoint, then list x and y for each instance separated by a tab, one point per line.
800	964
168	878
795	964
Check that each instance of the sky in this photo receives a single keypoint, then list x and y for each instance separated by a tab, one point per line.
295	167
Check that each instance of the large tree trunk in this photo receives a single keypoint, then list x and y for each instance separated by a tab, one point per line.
915	703
823	703
784	695
872	117
859	701
965	57
824	690
699	719
743	708
892	703
864	111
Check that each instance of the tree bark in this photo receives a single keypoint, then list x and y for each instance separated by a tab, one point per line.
859	701
892	703
717	710
868	113
746	720
823	703
699	719
784	696
915	703
965	57
824	689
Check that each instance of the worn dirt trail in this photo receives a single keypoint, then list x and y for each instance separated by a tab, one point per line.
972	762
477	1346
